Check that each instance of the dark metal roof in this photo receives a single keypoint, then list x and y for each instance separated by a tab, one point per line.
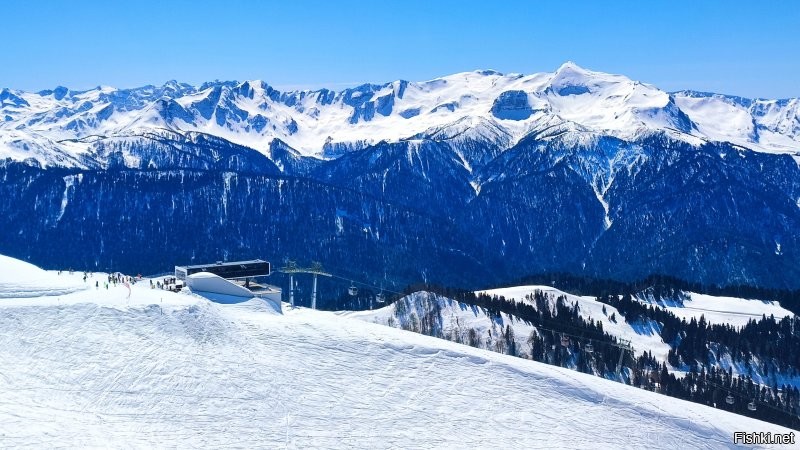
228	269
224	264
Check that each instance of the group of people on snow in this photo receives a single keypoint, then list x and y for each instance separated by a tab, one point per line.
168	283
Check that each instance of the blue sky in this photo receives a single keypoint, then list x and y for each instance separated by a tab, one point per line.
742	48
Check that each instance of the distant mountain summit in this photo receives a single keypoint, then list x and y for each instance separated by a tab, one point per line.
51	126
470	179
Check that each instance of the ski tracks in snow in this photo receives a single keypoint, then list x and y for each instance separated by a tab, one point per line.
208	375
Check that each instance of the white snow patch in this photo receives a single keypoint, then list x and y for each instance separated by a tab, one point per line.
69	182
723	310
600	197
476	186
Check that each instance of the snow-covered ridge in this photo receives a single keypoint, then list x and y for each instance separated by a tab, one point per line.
51	126
719	310
19	279
97	368
642	340
761	124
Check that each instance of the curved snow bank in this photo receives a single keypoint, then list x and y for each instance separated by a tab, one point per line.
209	282
255	305
219	290
19	279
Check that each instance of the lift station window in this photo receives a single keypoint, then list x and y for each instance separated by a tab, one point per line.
233	269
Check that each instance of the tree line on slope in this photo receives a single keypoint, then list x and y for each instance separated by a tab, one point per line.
765	349
663	286
761	350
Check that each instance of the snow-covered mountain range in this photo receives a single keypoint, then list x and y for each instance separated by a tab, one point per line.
470	179
63	127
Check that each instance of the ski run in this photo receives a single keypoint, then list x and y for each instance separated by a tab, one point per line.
87	366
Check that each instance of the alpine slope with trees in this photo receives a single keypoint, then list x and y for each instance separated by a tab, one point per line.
753	370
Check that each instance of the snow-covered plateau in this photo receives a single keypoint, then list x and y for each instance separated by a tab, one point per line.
87	366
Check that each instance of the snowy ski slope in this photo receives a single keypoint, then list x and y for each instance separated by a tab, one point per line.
93	368
715	309
20	279
643	338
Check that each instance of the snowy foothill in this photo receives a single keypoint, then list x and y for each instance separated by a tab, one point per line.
98	368
642	336
456	318
645	336
721	310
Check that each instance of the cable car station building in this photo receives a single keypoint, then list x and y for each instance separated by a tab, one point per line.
233	270
232	279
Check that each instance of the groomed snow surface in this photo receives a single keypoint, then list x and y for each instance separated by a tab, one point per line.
96	368
20	279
